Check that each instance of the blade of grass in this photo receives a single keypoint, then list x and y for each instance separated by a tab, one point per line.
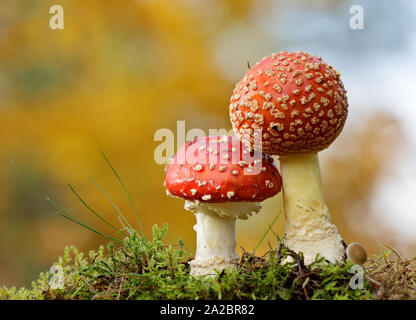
95	213
126	192
71	218
111	201
260	241
61	211
121	222
269	228
26	176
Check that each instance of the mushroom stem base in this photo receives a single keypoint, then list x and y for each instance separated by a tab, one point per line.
215	242
308	223
207	267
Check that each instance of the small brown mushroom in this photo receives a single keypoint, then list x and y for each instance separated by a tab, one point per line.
356	253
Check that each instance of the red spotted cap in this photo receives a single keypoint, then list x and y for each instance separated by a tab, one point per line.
297	100
220	169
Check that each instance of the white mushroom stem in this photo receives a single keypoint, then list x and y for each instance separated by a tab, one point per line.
216	243
308	223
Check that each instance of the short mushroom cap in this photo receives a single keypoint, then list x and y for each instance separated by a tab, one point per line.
296	99
356	253
217	169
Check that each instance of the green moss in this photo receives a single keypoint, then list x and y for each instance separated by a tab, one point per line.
134	268
140	269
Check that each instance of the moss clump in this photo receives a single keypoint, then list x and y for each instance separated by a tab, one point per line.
138	269
135	268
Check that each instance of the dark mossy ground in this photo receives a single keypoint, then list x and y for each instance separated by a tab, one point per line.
137	269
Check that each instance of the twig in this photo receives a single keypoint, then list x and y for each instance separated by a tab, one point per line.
119	288
88	284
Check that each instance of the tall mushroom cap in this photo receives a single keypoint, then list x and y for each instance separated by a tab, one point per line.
296	99
214	171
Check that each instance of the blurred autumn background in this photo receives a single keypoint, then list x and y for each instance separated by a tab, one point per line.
121	70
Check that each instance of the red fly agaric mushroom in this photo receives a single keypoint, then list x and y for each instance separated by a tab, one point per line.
220	183
299	103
